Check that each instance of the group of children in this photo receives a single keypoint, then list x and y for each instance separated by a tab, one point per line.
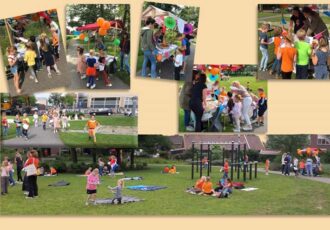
169	169
91	66
109	168
38	51
22	125
293	53
304	167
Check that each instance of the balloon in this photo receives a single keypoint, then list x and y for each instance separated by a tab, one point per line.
106	25
82	36
308	151
215	71
116	42
86	39
159	57
102	32
100	21
213	77
188	29
170	22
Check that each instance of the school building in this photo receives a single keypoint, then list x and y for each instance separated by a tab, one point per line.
320	141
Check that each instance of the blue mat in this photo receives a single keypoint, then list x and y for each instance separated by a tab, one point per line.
145	187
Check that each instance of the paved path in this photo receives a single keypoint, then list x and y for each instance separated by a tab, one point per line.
118	130
38	138
325	180
77	83
167	67
45	83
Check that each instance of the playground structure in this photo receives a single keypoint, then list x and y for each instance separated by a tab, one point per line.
236	161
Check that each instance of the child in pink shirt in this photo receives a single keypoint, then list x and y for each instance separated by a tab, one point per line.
92	182
237	112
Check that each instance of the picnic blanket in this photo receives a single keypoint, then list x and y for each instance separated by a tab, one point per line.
145	187
60	183
124	199
133	178
249	189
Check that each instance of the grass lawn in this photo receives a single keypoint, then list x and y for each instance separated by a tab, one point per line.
277	195
106	120
103	140
254	85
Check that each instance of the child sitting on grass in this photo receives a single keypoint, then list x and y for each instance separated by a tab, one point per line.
172	170
118	192
303	53
262	106
91	187
288	55
207	188
320	57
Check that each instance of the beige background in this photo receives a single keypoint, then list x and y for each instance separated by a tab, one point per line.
227	34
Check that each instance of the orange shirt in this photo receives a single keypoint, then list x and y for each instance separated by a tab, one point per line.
288	54
199	184
267	163
207	187
277	43
55	40
91	124
226	167
53	170
301	165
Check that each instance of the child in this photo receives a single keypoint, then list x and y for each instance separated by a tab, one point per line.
18	123
35	48
11	173
64	121
81	64
53	171
237	112
12	61
205	162
47	54
302	167
55	43
166	169
303	53
199	184
26	126
88	171
267	164
57	122
91	70
101	166
113	165
172	170
30	58
320	57
92	125
35	119
262	106
276	68
92	182
288	55
5	125
4	177
295	166
118	191
263	47
44	119
226	169
207	188
215	89
103	72
230	106
178	63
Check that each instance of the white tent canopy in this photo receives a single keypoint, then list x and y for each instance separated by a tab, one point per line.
154	12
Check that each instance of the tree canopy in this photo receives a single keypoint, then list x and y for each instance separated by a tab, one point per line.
287	143
151	143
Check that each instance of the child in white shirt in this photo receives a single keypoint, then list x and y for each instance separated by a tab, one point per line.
237	112
178	62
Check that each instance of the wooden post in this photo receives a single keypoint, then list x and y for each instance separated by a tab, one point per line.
192	160
208	158
8	33
200	162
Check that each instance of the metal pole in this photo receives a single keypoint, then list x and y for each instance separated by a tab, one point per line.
197	160
235	160
244	172
250	171
200	162
208	158
192	160
238	160
231	162
223	156
255	169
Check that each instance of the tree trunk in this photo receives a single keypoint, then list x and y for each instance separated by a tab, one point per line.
74	155
94	155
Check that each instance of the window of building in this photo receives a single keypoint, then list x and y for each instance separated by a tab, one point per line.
323	140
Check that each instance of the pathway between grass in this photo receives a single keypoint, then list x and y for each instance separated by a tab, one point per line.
119	130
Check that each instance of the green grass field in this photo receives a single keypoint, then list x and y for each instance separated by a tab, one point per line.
106	120
277	195
253	84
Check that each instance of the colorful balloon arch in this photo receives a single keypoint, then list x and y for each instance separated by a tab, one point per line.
308	151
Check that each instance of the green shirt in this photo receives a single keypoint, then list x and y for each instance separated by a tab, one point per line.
304	51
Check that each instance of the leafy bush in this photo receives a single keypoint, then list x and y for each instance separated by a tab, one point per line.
60	166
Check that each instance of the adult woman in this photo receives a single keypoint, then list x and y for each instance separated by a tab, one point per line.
247	102
297	20
198	101
148	47
315	24
19	166
32	178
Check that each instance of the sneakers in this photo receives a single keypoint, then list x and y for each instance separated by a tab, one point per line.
247	128
83	77
236	130
190	129
58	73
36	80
31	77
87	85
93	86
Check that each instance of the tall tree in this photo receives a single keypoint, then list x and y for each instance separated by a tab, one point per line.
287	143
151	143
55	99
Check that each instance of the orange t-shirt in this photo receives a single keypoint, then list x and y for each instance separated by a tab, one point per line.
207	187
226	167
301	165
199	184
288	54
267	164
53	170
277	43
91	124
55	40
